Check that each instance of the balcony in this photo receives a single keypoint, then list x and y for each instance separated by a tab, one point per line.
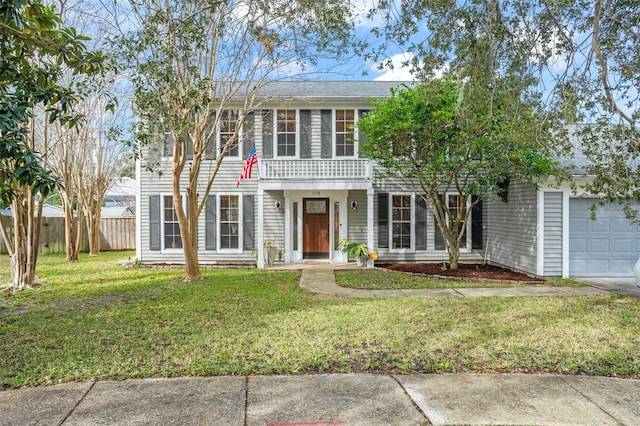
340	169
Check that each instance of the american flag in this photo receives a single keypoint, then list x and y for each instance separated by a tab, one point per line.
252	159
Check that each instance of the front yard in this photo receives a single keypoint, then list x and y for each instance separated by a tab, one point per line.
98	319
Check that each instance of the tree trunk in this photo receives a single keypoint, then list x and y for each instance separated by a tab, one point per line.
92	215
22	253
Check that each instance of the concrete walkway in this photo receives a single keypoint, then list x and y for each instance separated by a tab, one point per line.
323	281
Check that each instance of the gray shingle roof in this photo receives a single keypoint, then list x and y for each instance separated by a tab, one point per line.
330	89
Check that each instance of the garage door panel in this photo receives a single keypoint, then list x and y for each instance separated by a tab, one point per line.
600	225
599	245
608	246
622	246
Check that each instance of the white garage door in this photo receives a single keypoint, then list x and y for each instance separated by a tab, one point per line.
607	246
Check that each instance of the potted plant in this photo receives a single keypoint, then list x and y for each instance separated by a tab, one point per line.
270	252
357	251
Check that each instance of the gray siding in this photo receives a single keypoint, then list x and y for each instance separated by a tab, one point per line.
512	229
273	218
357	219
553	234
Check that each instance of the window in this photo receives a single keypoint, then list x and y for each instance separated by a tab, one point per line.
345	138
228	124
172	238
453	202
401	221
286	132
229	222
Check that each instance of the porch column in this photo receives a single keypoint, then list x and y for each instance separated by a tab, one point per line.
260	242
370	193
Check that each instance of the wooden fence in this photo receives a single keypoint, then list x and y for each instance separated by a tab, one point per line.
116	233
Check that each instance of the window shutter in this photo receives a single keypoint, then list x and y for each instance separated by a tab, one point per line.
326	116
210	150
305	133
248	137
154	222
421	224
362	138
247	222
476	224
210	223
267	134
439	238
189	142
383	220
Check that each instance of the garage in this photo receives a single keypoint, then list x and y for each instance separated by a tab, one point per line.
607	246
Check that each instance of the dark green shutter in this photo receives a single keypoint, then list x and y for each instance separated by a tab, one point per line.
383	220
247	222
247	135
326	116
476	224
362	138
438	237
154	222
267	134
210	223
305	133
421	224
189	142
212	146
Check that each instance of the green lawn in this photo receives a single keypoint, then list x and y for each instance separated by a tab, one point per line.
98	319
377	279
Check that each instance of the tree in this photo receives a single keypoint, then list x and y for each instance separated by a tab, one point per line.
579	57
35	46
437	143
192	60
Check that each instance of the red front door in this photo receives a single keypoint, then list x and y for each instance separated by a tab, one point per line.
315	235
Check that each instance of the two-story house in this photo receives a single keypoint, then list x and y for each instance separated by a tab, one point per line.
312	187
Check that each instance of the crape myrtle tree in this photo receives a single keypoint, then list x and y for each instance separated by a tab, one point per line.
582	57
436	142
192	59
35	47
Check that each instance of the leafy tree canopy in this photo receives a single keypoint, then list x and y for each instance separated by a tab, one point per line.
35	49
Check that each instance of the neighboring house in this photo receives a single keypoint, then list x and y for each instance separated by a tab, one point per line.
312	188
122	193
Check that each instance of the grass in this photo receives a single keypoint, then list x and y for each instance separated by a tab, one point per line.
389	280
96	319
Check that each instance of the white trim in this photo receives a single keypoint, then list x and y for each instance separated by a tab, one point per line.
162	224
139	211
260	242
219	145
315	185
370	217
565	233
540	234
412	234
334	133
296	135
468	243
219	222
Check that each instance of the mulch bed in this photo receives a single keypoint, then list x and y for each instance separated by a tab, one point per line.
465	271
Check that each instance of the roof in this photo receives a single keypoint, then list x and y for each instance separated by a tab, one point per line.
330	89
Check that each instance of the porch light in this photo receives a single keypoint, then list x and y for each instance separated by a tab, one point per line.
354	205
278	205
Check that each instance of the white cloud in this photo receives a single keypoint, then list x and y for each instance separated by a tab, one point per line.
400	69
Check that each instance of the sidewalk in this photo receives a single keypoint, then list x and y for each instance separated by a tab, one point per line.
333	399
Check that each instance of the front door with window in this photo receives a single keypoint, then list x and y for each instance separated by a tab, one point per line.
315	236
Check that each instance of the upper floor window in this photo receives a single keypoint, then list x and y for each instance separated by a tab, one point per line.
345	128
228	125
286	132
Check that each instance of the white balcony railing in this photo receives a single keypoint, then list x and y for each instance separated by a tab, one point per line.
314	169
